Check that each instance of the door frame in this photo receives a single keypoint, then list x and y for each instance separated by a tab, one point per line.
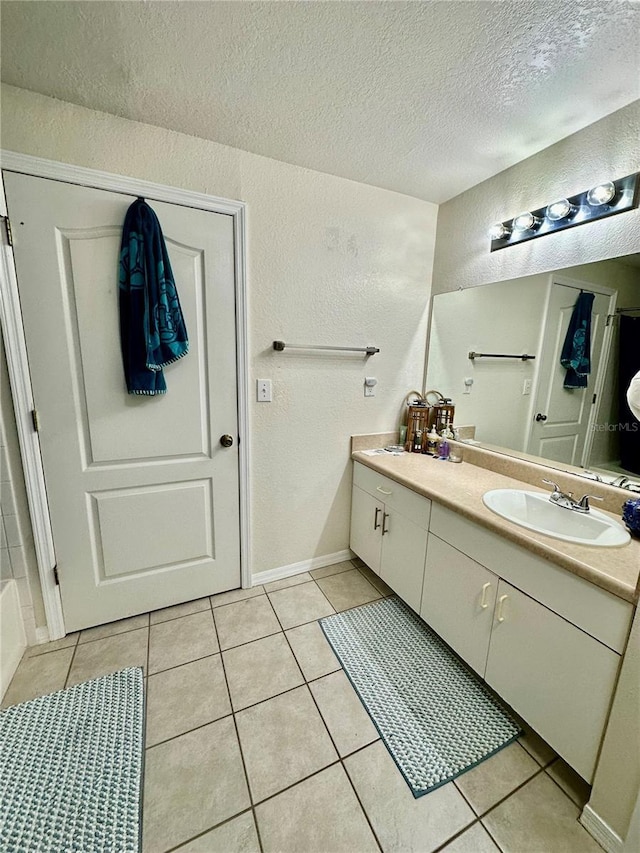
604	355
18	365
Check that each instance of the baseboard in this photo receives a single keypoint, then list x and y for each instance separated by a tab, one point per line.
42	636
303	566
601	831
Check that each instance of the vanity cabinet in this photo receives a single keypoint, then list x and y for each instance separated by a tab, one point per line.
553	674
458	599
547	641
389	525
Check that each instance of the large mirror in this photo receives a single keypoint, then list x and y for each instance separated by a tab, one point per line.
522	406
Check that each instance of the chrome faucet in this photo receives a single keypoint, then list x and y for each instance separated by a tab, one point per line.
620	481
566	500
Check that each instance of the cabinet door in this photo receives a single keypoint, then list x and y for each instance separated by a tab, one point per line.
559	679
366	527
404	545
457	601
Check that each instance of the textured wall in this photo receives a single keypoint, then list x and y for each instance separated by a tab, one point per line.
610	148
330	261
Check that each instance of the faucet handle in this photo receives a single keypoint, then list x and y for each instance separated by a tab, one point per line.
583	503
556	487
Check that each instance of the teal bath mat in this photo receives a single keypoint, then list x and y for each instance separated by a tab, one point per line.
435	716
71	769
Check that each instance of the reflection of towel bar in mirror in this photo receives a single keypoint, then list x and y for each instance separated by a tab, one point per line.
523	357
280	345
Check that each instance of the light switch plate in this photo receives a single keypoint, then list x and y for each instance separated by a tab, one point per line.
263	390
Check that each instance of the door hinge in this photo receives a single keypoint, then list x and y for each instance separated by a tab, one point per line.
609	319
56	577
7	225
35	420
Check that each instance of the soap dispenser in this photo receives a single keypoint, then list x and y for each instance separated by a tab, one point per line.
432	442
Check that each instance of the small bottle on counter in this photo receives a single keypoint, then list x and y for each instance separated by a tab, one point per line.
417	441
432	442
443	449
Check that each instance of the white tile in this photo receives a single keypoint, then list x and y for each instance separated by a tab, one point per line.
24	593
283	741
283	583
192	783
539	817
312	650
18	561
496	777
402	822
12	530
348	722
237	835
319	815
8	499
6	569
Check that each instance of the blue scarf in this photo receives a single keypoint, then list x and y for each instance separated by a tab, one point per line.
152	329
576	352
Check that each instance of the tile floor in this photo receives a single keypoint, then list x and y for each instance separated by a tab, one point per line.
256	740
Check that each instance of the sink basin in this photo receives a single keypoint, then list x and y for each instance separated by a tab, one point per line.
534	511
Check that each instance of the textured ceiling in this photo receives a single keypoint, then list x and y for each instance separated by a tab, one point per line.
426	98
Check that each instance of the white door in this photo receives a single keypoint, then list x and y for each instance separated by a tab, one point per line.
561	416
143	497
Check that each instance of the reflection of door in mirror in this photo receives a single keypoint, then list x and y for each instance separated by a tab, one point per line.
499	398
562	426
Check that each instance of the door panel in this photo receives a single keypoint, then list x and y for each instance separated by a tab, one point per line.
366	540
561	436
143	499
559	679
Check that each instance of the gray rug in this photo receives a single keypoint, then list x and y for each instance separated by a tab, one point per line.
434	714
71	769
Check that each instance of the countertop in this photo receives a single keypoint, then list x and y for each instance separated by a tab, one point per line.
460	487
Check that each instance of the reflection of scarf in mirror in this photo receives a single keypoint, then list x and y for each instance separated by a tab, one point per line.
633	395
576	351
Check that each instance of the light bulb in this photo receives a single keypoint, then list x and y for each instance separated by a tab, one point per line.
499	231
525	222
601	194
560	209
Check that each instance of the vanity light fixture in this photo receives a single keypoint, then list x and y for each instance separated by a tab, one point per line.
560	209
499	230
601	194
603	199
526	222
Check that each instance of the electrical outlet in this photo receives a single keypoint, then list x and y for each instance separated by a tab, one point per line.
370	383
468	384
526	387
263	390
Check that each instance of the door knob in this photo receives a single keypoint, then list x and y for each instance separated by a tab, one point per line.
541	417
226	440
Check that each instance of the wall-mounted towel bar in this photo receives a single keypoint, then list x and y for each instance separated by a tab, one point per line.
523	357
280	345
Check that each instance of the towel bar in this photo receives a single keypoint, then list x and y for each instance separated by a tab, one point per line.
280	345
523	357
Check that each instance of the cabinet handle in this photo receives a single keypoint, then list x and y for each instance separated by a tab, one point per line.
375	520
385	516
483	602
384	491
501	602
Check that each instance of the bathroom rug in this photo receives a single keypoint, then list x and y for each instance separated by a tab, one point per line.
71	768
435	716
